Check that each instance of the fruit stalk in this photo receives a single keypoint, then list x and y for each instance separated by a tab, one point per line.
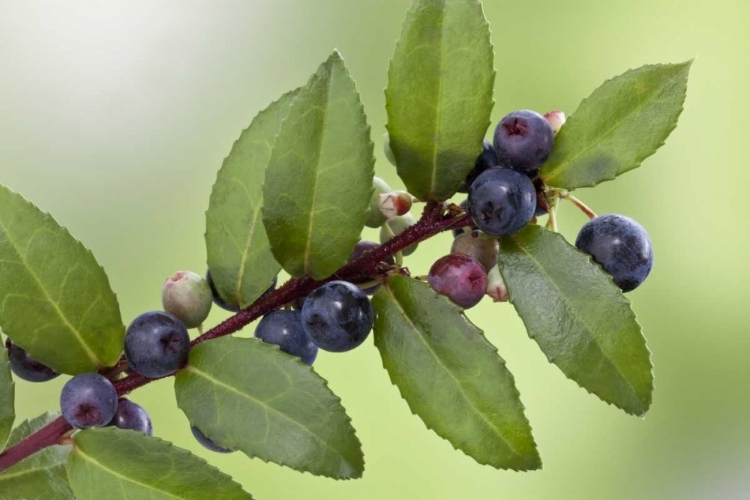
432	222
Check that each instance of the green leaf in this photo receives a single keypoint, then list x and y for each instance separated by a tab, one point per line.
578	316
55	300
319	179
7	398
621	124
249	396
439	95
42	476
451	376
110	463
239	254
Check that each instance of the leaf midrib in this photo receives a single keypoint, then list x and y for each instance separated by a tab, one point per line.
92	356
580	320
439	108
459	385
609	133
221	383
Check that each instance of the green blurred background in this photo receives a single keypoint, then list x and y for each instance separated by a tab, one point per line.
115	116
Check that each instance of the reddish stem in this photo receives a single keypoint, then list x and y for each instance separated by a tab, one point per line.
432	222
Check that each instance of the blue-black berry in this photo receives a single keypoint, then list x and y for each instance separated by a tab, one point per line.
88	400
25	367
132	416
524	140
208	443
284	329
156	344
502	201
621	246
337	316
486	160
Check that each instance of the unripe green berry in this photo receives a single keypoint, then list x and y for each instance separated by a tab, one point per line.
398	225
187	296
376	218
479	246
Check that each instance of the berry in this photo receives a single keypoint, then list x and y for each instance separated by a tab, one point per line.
394	203
359	251
460	278
88	400
219	300
479	246
375	217
502	201
524	140
398	225
156	344
132	416
337	316
496	286
556	120
207	443
486	160
621	246
187	296
284	329
25	367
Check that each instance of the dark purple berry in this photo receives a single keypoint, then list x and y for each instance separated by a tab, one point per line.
218	300
542	206
460	278
621	246
207	443
502	201
486	160
25	367
337	316
524	140
88	400
132	416
156	344
359	250
284	329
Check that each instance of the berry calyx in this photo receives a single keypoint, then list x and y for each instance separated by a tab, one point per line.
132	416
502	201
337	316
460	278
188	297
524	140
88	400
621	246
284	329
156	344
25	367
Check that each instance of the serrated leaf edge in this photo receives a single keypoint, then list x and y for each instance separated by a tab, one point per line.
296	359
641	158
180	451
646	406
46	215
516	391
258	216
492	97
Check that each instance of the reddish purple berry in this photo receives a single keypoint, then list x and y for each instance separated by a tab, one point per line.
460	278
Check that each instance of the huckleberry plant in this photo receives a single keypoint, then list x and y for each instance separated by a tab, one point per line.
261	396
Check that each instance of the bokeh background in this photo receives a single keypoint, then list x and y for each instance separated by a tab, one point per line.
115	116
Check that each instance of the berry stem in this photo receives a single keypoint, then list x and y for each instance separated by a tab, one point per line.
434	220
552	222
49	435
581	205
